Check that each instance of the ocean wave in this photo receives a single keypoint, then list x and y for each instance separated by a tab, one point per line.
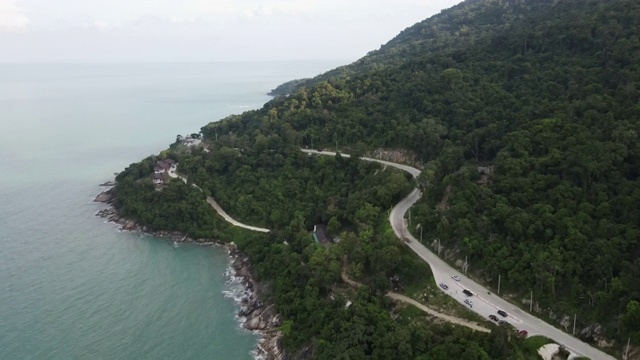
238	291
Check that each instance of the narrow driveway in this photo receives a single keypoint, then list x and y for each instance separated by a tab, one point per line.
228	218
219	209
484	303
405	299
445	317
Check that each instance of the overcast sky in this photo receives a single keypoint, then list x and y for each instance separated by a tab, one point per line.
202	30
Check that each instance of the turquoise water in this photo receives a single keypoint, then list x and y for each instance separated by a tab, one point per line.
72	286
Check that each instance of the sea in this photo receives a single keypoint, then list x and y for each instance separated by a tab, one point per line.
71	285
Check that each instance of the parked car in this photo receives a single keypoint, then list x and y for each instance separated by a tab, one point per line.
456	277
493	318
502	322
444	286
502	313
468	302
523	333
467	292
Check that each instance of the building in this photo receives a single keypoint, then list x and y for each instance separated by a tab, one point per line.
157	179
165	166
320	235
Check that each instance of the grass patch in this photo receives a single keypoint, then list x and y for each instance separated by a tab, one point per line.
533	343
409	312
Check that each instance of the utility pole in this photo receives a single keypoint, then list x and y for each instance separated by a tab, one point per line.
574	324
626	353
499	276
531	302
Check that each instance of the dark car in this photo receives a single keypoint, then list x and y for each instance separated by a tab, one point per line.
502	313
523	333
493	318
502	322
467	292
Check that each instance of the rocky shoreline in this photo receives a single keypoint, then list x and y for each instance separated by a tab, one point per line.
256	316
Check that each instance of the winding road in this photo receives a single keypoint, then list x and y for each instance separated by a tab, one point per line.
218	208
484	303
233	221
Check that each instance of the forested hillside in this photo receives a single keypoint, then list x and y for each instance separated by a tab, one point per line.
543	95
466	24
550	104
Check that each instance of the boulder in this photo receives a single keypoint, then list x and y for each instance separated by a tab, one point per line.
129	225
252	324
106	196
276	321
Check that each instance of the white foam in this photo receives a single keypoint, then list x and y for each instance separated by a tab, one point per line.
238	291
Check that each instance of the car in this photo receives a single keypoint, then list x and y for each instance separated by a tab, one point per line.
468	302
502	322
467	292
456	277
502	313
493	318
523	333
444	286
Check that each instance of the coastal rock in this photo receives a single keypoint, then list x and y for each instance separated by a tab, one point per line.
106	196
253	324
276	321
129	225
274	347
108	183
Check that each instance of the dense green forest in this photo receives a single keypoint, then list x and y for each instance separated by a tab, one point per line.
304	276
550	104
273	187
542	94
306	288
468	23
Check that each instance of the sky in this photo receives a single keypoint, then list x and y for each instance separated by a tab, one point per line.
202	30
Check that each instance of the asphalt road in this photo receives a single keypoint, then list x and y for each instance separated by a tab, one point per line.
483	303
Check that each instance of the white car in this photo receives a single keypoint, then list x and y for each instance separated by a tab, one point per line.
456	278
468	302
444	286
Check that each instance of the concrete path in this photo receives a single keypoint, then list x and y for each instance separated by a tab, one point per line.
439	315
408	300
231	220
220	210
